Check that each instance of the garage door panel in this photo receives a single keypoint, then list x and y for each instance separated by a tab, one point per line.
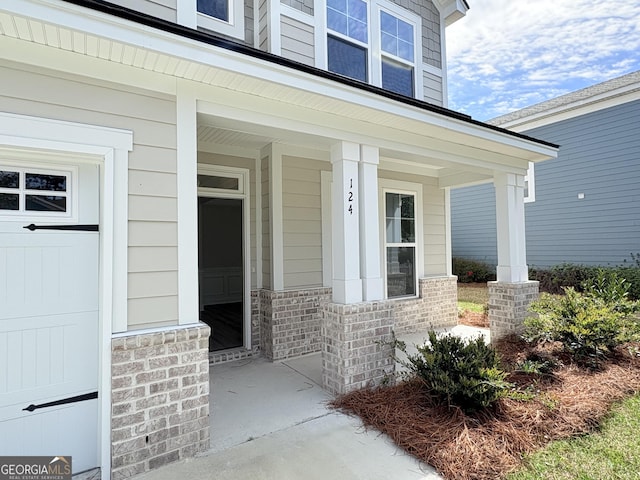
51	278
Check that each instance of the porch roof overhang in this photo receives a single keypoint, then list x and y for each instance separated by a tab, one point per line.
248	98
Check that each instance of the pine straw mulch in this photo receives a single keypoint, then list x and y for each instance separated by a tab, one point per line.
489	444
474	319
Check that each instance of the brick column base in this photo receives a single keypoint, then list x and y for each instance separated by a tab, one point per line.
508	303
159	397
354	353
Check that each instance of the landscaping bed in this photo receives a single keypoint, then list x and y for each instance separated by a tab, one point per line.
488	444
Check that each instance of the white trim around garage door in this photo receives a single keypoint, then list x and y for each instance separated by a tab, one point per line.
110	147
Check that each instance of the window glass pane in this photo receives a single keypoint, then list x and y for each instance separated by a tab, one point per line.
340	5
405	32
397	77
9	179
358	10
388	23
9	201
211	181
46	203
348	17
401	279
215	8
358	30
337	22
405	50
37	181
389	43
347	59
400	221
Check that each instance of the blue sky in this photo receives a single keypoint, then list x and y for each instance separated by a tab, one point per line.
509	54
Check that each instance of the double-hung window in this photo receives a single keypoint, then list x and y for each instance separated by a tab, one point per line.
374	42
223	16
400	244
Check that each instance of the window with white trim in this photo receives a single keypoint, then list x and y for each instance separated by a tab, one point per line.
375	42
27	192
530	184
400	244
223	16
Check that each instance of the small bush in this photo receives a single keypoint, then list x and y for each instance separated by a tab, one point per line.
589	324
472	271
461	373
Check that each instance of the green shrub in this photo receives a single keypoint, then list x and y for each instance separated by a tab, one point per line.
472	271
589	324
461	373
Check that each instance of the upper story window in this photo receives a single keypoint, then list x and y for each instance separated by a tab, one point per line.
373	42
222	16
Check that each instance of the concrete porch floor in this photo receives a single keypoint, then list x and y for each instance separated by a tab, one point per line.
271	421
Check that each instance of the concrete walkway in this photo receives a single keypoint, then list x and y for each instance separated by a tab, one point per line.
271	421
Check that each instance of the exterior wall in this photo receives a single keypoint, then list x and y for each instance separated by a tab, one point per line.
266	224
302	222
305	6
437	307
153	256
164	9
263	29
432	86
290	322
598	157
297	41
160	399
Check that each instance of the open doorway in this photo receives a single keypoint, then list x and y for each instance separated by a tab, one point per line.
221	270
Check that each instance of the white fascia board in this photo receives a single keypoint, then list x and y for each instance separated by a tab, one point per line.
626	94
123	31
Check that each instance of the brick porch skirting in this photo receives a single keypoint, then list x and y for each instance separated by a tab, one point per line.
508	303
160	398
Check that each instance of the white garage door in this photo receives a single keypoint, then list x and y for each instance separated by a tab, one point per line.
49	311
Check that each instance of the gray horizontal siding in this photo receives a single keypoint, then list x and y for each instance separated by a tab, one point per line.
599	157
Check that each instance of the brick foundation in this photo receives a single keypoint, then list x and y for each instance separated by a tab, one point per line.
437	307
160	399
508	303
356	350
290	322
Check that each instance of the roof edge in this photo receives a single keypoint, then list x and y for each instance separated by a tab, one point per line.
227	44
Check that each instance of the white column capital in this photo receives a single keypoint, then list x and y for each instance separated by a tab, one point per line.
341	151
369	154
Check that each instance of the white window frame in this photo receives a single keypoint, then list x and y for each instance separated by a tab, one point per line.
234	27
530	184
374	46
405	188
22	214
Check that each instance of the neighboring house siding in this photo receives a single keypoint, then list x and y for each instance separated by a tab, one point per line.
249	164
297	41
305	6
164	9
153	256
599	157
302	221
473	223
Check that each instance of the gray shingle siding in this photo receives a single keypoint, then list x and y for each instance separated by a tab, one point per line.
599	157
305	6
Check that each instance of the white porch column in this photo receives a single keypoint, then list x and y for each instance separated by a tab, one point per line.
347	285
512	261
370	271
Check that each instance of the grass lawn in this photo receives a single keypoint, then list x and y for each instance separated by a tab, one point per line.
472	297
612	453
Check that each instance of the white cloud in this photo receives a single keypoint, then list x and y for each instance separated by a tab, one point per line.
508	54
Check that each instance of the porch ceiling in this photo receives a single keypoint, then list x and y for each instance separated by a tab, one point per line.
246	102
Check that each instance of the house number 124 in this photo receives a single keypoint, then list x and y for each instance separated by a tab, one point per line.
350	197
